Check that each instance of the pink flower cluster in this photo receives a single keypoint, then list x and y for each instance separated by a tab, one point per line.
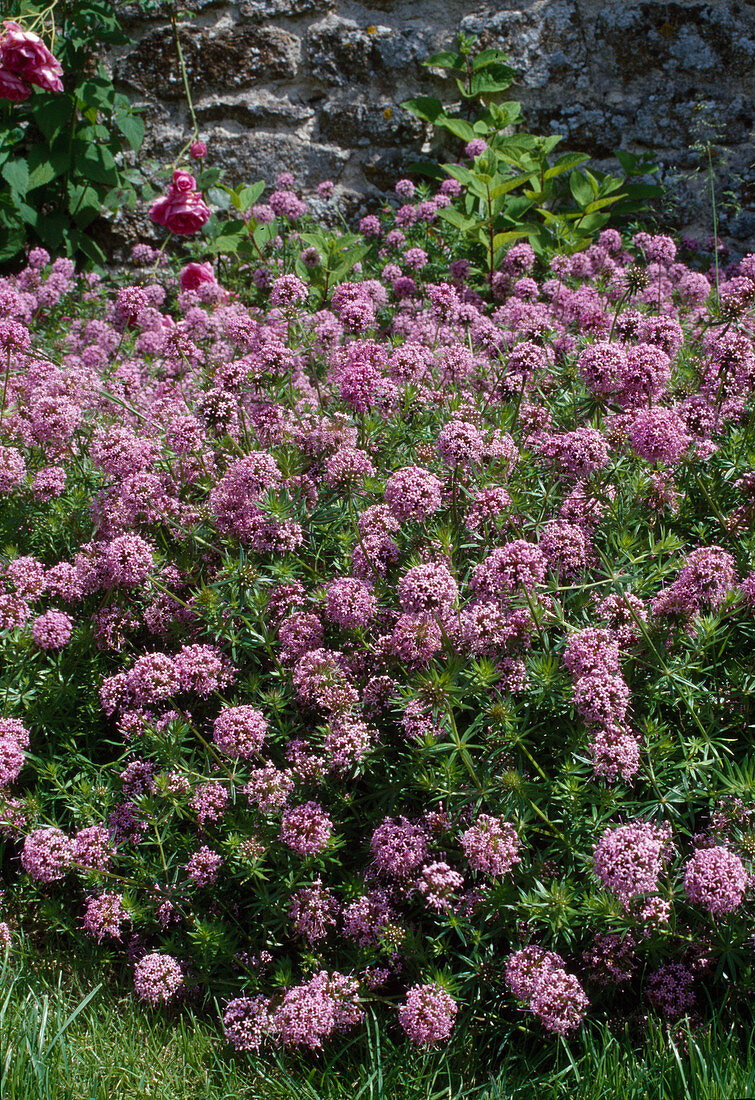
539	979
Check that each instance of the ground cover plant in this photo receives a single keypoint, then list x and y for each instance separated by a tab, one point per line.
376	621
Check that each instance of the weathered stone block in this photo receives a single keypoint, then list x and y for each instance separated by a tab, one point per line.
226	57
270	9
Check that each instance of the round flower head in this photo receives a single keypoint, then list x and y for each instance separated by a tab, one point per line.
350	603
11	760
413	493
52	630
559	1000
491	845
460	444
659	435
427	588
247	1022
716	880
628	860
105	916
428	1014
306	829
157	978
240	731
526	966
47	854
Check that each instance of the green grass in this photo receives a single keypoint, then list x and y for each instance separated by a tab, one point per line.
63	1035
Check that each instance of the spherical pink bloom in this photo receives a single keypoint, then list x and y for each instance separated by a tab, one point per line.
247	1022
92	848
659	435
716	880
11	760
487	508
240	731
325	189
12	469
27	576
12	87
460	443
399	848
415	258
313	911
578	453
438	883
629	859
428	1014
52	630
427	588
526	966
516	564
416	639
154	677
369	226
12	729
157	978
269	788
601	698
198	150
194	275
413	493
203	867
602	366
48	482
476	147
566	546
24	54
209	802
128	559
591	650
614	752
288	291
645	375
105	916
559	1000
491	845
306	829
347	741
311	1012
203	669
47	854
404	189
350	603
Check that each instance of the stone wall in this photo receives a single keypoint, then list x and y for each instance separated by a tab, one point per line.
314	86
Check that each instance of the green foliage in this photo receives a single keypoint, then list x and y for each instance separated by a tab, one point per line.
515	189
63	155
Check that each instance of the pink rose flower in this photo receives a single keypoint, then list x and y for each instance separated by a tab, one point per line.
158	210
12	87
25	54
182	182
187	214
195	275
183	210
198	150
